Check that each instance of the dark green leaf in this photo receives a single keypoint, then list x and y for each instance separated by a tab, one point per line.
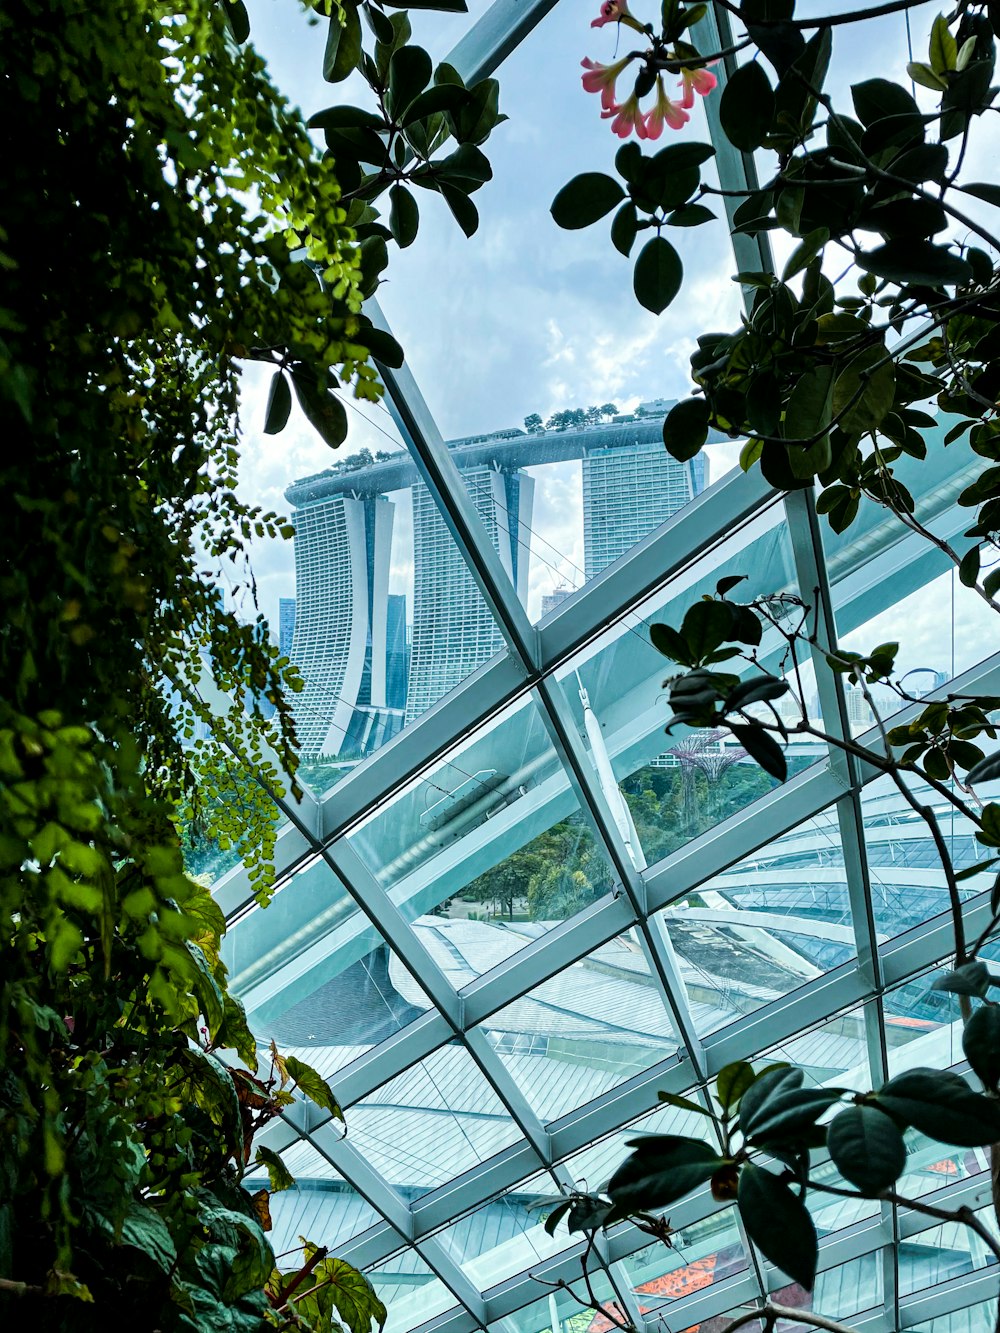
788	1114
667	641
658	275
766	1085
623	228
706	627
346	118
685	428
585	199
239	19
867	1149
278	1174
662	1168
446	97
343	45
682	1103
144	1229
762	748
279	404
913	261
943	1106
987	770
778	1223
981	1044
463	210
746	107
404	216
556	1216
313	1085
989	193
810	406
409	74
864	390
876	99
968	573
443	6
805	252
690	215
383	347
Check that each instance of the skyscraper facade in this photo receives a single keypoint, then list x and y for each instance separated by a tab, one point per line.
453	631
397	653
286	625
342	544
627	492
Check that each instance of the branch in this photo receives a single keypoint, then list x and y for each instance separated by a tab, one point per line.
13	1288
964	1215
770	1313
831	20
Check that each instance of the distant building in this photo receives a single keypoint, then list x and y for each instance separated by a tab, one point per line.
397	653
286	625
550	600
627	492
453	629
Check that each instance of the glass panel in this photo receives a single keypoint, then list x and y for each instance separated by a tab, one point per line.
566	343
487	847
431	1123
848	1289
942	1252
592	1026
558	1312
313	972
699	1256
775	921
321	1206
676	787
410	1291
891	585
507	1235
979	1318
908	883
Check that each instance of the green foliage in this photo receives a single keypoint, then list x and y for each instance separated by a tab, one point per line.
202	230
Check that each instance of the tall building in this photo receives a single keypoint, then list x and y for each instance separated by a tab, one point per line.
550	600
342	544
453	630
286	625
397	653
627	492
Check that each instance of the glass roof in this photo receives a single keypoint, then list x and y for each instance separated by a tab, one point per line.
509	908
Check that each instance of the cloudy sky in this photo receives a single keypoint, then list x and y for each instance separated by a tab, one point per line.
523	317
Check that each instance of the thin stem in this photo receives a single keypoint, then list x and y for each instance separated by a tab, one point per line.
830	21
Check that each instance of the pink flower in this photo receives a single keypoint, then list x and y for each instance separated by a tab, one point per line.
665	111
601	79
612	11
627	117
700	81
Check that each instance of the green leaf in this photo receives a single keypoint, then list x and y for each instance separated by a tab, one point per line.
279	404
409	74
906	260
343	45
346	118
667	641
658	275
690	215
624	228
706	626
925	76
404	216
778	1223
864	391
662	1168
764	1086
944	49
313	1085
987	770
557	1215
810	405
443	6
732	1082
278	1175
990	194
867	1149
383	347
876	99
463	210
683	1103
943	1106
805	252
981	1044
763	748
746	107
323	409
585	199
442	97
239	20
789	1113
685	428
144	1229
